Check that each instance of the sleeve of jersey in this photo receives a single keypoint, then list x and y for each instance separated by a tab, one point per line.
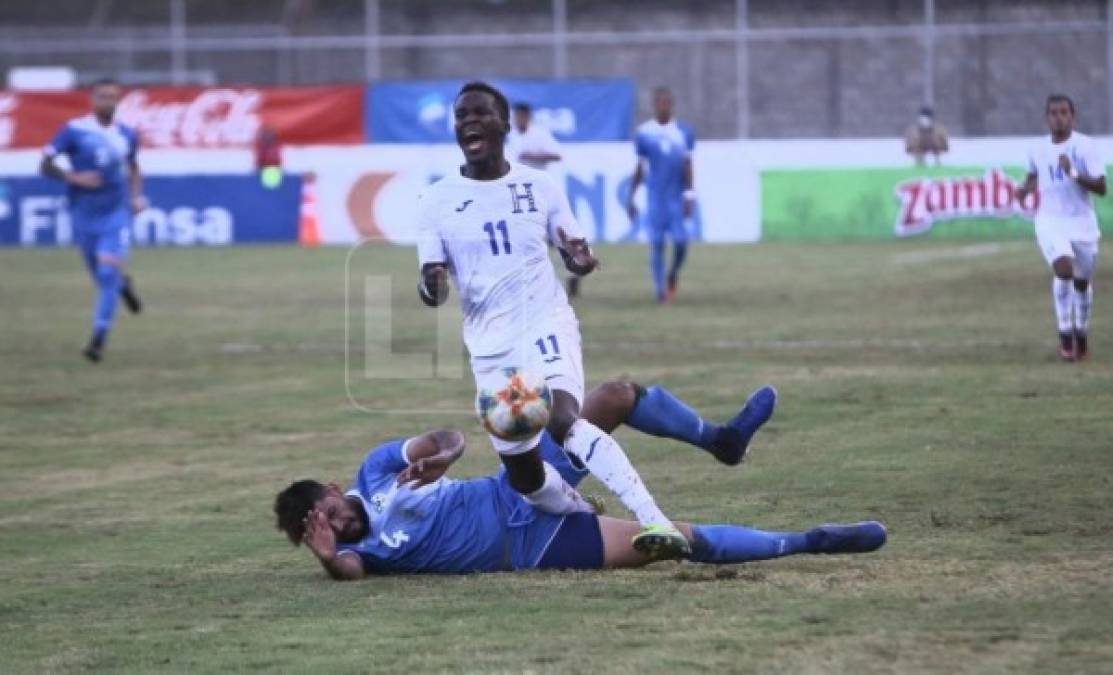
388	459
133	144
641	146
690	139
61	142
551	145
430	247
560	214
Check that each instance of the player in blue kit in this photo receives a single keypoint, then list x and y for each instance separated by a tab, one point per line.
402	516
664	146
104	189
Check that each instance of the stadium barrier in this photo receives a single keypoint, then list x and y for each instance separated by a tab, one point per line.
792	189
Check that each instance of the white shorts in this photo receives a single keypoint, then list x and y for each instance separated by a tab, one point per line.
1055	245
553	352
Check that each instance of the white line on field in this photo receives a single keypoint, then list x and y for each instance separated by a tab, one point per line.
956	253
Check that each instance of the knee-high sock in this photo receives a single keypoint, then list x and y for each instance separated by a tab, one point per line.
1083	302
657	267
736	544
606	460
1061	296
556	496
679	252
108	288
659	413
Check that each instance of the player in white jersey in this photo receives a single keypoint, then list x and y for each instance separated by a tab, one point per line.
1067	167
489	227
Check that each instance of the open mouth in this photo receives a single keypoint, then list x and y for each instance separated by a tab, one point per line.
473	139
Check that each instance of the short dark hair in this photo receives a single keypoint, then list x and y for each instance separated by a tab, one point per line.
293	504
501	102
522	106
105	82
1058	98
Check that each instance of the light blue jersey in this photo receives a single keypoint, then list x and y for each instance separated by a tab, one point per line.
107	150
665	148
449	526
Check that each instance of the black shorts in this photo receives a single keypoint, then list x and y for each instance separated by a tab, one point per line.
577	545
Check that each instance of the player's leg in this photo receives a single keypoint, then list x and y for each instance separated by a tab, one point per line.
678	230
657	412
731	544
1060	256
111	254
537	481
596	449
657	222
1085	259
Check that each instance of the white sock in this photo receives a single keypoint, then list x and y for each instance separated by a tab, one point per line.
1083	302
1061	295
605	459
556	496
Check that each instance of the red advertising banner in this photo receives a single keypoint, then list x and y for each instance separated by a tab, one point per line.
197	117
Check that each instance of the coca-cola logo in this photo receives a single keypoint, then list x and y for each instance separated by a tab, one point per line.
214	118
8	103
925	201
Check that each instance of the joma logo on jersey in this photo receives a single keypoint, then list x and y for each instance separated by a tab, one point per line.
524	196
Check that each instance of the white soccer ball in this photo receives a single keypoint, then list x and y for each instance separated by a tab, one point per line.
518	408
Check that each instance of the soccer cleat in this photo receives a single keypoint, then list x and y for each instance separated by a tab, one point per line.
734	437
131	299
93	351
861	537
661	542
1066	346
674	281
1081	349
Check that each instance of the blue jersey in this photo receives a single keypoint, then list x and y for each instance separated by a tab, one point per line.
107	150
665	148
449	526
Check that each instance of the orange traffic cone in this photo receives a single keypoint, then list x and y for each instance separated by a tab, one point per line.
309	234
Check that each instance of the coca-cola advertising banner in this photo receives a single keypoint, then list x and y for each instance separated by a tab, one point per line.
945	202
197	117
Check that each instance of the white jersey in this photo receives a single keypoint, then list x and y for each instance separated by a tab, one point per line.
1065	206
536	140
494	236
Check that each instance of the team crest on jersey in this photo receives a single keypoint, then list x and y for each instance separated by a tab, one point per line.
378	502
523	196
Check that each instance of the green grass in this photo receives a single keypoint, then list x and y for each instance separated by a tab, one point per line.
917	387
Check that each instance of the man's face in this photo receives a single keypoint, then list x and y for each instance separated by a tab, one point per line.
480	129
662	106
1060	119
342	517
521	119
105	98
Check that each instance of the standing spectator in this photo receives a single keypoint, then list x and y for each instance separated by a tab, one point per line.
926	137
528	143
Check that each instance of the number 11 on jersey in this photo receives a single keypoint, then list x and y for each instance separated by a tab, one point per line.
490	228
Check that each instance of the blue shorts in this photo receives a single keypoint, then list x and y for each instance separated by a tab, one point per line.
577	545
665	219
109	236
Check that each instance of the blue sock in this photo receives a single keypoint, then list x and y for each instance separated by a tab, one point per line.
657	267
108	288
659	413
679	252
737	544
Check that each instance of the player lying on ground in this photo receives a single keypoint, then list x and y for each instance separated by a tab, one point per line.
104	190
489	226
1067	167
401	515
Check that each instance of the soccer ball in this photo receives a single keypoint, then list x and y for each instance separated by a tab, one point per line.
518	408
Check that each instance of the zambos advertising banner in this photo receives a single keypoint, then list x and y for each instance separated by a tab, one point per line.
945	202
573	110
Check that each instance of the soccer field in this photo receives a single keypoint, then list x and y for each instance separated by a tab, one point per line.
918	383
